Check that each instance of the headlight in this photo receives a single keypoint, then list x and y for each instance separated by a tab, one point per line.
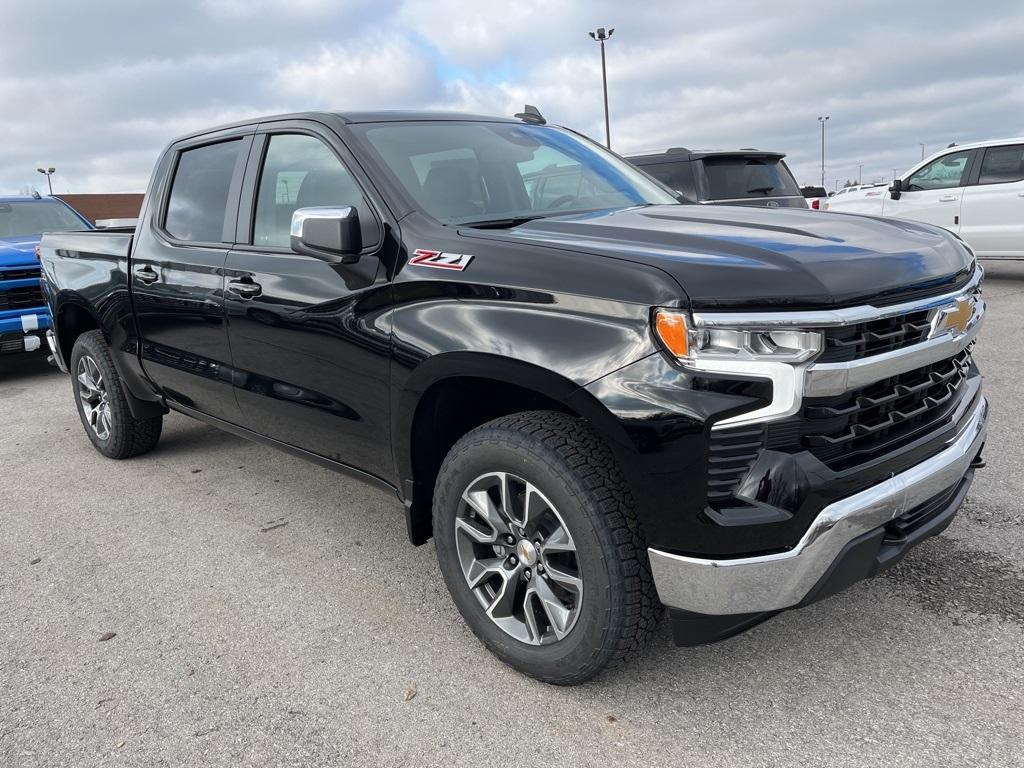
676	331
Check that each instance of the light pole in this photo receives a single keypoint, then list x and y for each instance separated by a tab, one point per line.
860	176
600	36
823	120
922	151
48	172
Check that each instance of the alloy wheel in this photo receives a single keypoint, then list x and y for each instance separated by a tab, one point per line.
95	399
518	558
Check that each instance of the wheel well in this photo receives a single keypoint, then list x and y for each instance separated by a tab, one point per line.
446	412
72	322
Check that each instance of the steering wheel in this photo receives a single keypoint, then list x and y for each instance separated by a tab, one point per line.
560	202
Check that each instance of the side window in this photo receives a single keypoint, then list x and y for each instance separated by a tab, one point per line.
302	172
945	172
1002	165
199	193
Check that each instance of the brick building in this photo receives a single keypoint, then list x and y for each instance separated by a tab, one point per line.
106	206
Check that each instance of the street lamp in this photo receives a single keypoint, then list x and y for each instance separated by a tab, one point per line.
922	151
822	120
48	172
600	36
860	176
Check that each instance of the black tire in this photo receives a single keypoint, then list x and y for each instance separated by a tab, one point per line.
125	436
569	464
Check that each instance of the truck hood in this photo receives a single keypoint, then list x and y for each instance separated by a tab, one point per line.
17	251
732	256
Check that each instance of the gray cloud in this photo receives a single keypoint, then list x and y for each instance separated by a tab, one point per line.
97	89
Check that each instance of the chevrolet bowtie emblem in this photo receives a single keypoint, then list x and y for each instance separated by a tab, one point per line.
955	319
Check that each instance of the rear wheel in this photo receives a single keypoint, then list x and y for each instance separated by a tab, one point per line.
103	405
540	547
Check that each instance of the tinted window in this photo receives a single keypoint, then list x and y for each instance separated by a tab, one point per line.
746	177
36	217
199	193
302	172
1002	165
940	174
677	176
464	172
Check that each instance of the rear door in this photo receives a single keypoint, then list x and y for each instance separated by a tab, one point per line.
933	193
992	214
310	340
178	274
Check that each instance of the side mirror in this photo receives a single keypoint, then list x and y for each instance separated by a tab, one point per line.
896	190
330	234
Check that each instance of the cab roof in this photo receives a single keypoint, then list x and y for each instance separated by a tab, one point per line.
349	118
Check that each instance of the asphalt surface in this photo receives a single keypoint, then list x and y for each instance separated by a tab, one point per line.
267	611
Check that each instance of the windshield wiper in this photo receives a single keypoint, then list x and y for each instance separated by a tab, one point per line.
766	190
506	223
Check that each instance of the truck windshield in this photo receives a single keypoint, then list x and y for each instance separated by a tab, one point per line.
33	217
466	173
731	178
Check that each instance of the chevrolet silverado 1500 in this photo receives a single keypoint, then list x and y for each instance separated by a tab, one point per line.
597	404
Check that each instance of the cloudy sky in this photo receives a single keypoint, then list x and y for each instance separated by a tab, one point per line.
97	88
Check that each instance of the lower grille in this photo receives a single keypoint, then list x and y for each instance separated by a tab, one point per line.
900	527
21	298
864	423
731	454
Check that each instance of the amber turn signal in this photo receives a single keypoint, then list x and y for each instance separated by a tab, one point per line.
670	325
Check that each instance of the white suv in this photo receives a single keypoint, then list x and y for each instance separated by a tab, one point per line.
974	190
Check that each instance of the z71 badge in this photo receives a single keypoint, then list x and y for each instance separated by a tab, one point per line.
440	260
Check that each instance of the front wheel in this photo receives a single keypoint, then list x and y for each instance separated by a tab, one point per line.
540	547
103	405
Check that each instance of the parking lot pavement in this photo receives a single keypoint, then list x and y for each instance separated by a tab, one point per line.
267	611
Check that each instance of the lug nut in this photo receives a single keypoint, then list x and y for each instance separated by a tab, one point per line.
540	569
510	539
522	532
527	574
512	560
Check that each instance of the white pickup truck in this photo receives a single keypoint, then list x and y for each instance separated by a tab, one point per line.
973	190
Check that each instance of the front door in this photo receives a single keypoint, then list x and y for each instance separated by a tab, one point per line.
992	217
178	278
310	340
933	193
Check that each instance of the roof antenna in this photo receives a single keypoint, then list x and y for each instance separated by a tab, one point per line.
532	115
36	195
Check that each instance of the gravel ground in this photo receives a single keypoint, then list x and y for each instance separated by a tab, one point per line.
267	611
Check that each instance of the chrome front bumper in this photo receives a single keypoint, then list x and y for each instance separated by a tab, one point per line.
782	580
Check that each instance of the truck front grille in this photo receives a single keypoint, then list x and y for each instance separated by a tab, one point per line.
874	337
864	423
27	297
19	274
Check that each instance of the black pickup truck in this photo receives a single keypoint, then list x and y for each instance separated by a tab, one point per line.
596	404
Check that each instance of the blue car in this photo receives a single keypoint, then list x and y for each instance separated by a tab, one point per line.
24	317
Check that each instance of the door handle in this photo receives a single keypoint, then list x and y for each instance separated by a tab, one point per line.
948	199
247	289
146	275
